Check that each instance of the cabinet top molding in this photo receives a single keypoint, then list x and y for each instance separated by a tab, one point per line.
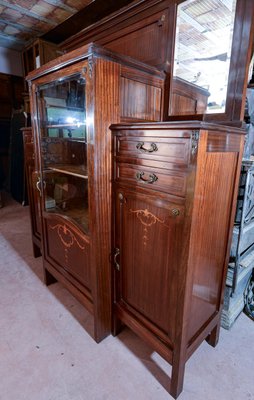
86	51
190	125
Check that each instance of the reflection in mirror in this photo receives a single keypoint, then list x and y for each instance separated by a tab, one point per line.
204	32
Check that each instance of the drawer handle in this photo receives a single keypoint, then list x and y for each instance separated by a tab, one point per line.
144	150
153	177
116	254
38	185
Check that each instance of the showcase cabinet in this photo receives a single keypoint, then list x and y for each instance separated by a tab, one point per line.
74	99
174	203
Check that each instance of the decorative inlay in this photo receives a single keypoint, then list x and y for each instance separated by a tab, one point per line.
194	142
66	236
147	219
90	67
66	256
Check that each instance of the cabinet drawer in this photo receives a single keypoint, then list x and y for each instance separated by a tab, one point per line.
170	150
154	178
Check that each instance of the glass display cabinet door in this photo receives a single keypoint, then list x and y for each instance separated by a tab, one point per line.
63	148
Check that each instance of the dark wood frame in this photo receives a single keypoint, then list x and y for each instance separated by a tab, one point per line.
197	317
33	195
132	17
243	38
118	89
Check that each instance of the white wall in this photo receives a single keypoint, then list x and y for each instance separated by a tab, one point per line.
11	62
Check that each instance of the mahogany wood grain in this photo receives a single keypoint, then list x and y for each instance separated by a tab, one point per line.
146	30
187	98
53	275
154	148
33	197
142	30
170	272
84	268
212	208
103	101
151	30
173	182
225	143
140	101
65	243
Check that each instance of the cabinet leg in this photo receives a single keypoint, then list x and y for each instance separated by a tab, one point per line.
177	377
117	325
36	251
48	278
213	338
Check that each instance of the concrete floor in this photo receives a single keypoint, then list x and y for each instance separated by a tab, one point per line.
47	353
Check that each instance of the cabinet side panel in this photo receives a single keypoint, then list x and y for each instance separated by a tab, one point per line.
103	108
209	235
140	101
143	39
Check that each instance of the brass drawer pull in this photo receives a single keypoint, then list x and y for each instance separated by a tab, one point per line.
153	178
116	254
140	147
38	185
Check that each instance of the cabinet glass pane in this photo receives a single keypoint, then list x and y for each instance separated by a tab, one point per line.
63	141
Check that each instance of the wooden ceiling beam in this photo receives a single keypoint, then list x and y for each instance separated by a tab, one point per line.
60	4
26	12
12	38
20	27
92	13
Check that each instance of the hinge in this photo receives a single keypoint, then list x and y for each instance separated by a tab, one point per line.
194	142
161	20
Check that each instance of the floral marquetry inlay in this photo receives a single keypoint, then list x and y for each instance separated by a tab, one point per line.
147	219
66	236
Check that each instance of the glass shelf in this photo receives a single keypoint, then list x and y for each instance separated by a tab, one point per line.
75	170
70	126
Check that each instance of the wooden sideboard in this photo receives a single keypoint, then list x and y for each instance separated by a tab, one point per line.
74	99
175	190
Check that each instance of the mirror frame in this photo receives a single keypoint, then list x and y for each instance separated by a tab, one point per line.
242	48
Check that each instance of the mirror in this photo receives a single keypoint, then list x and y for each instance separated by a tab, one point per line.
204	32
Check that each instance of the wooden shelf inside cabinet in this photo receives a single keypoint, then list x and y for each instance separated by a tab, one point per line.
70	169
67	126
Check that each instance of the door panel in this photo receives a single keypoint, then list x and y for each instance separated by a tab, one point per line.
67	248
148	234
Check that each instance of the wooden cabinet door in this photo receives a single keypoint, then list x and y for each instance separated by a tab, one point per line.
34	199
148	237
